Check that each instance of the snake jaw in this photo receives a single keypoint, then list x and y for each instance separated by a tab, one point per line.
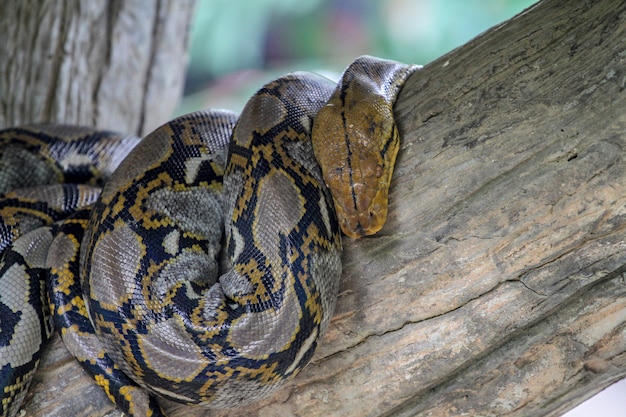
366	221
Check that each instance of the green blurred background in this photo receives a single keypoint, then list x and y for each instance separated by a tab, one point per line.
238	45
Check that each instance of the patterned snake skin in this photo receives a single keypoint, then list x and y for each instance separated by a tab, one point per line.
206	269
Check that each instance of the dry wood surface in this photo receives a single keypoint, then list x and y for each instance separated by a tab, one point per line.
116	64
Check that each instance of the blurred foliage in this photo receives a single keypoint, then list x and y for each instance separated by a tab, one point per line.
235	43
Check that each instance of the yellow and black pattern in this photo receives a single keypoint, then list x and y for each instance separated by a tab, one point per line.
27	225
48	154
166	302
208	268
71	320
24	321
24	243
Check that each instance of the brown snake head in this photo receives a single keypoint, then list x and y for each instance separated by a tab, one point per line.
356	141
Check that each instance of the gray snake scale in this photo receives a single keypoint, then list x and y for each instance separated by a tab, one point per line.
206	268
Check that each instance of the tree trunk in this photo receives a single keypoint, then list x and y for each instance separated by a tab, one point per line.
497	286
110	64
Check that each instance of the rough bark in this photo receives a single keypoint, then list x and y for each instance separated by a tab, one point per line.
111	64
497	286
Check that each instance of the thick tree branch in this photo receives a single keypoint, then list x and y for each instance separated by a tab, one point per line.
111	64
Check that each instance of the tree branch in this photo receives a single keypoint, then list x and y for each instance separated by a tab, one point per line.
110	64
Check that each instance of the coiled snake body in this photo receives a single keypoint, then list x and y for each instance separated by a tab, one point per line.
140	288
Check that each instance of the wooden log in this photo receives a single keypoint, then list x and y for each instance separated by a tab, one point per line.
497	286
109	64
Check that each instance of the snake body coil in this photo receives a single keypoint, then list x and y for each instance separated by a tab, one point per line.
140	287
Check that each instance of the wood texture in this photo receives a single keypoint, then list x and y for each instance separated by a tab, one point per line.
110	64
497	286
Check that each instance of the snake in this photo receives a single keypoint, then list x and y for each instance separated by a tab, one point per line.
201	263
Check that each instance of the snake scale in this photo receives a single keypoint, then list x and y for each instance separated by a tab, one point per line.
201	263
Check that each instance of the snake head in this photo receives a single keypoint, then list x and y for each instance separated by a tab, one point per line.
357	154
355	141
